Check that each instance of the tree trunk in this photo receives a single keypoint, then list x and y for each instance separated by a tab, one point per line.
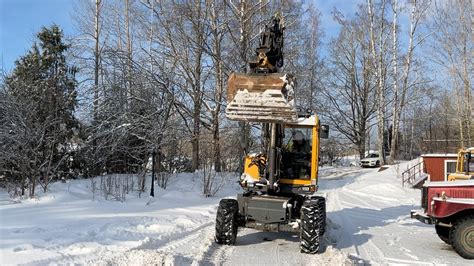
129	56
378	65
395	117
197	90
216	147
33	186
361	148
219	87
399	102
96	60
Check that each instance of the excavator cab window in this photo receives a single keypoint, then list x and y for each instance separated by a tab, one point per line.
296	153
469	160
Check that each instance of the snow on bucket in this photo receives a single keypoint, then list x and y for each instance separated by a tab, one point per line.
261	98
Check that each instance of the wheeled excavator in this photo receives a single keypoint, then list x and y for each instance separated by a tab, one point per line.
279	183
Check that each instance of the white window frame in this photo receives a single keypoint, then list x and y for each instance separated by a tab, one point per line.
446	168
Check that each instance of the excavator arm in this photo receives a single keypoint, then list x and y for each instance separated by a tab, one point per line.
263	95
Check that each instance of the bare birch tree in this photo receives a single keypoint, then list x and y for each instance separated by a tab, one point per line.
417	13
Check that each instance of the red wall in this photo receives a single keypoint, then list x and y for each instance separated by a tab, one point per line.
434	166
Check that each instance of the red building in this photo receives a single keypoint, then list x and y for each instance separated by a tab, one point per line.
438	166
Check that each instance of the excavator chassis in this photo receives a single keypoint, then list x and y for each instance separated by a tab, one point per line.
266	213
303	215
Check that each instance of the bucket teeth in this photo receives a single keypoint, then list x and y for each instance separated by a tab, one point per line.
261	98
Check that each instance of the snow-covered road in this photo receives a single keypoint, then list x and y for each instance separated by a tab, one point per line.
368	222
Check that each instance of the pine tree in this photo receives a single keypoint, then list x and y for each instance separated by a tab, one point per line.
40	98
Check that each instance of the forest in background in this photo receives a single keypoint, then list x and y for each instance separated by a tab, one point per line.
146	75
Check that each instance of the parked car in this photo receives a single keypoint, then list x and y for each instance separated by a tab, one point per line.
372	160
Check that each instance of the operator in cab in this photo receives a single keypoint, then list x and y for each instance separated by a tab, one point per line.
299	143
298	156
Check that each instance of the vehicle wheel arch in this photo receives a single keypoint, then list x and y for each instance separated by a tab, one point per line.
456	216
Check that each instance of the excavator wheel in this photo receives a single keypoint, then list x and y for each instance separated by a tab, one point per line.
321	201
462	237
226	221
322	208
312	222
443	233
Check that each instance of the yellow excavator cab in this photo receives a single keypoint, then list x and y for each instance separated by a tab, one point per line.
464	165
301	180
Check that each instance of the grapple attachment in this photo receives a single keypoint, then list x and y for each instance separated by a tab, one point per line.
261	98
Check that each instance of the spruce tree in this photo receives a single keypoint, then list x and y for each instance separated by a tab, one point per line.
42	96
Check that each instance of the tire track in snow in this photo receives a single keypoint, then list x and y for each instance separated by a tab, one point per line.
215	254
187	239
191	246
363	203
167	240
181	248
345	235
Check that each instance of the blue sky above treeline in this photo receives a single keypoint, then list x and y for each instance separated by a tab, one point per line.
20	20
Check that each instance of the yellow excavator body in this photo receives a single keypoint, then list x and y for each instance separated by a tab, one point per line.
464	165
252	173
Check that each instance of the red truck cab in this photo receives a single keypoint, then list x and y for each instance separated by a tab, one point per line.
450	207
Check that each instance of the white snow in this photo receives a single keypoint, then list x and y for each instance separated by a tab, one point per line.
368	222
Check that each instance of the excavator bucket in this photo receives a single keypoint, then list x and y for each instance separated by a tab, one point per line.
265	98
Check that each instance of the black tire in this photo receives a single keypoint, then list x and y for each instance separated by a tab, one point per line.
226	221
323	212
377	164
311	226
321	201
443	233
462	237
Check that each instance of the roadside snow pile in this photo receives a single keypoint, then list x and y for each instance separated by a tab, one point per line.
66	226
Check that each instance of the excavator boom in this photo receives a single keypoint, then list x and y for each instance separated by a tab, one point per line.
263	95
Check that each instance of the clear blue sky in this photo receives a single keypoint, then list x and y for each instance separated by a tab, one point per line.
20	20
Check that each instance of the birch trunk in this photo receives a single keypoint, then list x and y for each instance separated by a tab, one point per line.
129	55
217	58
197	90
96	60
396	106
400	96
377	60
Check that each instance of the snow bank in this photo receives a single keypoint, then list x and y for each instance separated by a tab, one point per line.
368	223
67	226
